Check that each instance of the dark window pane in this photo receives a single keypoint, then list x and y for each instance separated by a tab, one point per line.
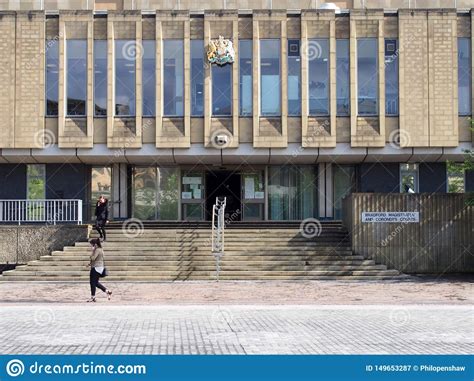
270	86
52	77
76	69
464	76
173	78
367	76
125	57
318	76
222	90
148	77
391	77
245	82
294	78
342	77
197	77
100	77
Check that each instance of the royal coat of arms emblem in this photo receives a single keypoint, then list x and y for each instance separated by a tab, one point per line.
220	51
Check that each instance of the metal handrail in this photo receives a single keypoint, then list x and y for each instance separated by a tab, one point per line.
217	234
49	211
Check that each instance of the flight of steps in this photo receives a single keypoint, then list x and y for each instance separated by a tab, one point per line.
166	252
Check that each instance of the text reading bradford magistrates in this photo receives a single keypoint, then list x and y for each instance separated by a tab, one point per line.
405	217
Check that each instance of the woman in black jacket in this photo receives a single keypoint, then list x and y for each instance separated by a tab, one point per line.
102	216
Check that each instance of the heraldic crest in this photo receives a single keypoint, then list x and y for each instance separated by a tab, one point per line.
220	51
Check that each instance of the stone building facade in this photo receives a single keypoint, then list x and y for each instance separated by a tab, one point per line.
286	165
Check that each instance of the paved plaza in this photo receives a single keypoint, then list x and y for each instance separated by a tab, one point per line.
224	329
411	317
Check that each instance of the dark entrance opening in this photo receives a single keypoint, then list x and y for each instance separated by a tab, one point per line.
224	184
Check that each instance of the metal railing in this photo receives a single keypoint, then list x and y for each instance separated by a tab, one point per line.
218	225
46	211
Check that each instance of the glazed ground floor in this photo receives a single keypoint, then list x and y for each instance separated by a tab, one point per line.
253	191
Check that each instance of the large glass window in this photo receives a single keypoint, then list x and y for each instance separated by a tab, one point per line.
197	77
76	69
318	76
192	195
344	180
294	78
100	77
245	81
125	71
367	76
101	185
391	77
464	76
292	192
36	181
173	78
409	178
342	77
52	77
149	77
155	193
455	175
270	80
221	90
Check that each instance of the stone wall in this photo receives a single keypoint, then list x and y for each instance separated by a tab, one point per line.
21	244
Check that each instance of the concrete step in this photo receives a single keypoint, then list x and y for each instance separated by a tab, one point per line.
210	273
236	258
207	267
200	262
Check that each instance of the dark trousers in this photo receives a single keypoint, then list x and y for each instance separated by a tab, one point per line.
94	281
100	227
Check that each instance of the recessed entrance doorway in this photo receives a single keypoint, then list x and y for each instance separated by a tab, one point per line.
224	184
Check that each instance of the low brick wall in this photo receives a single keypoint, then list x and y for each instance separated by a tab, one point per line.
20	244
441	242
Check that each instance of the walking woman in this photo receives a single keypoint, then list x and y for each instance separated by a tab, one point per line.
102	216
97	269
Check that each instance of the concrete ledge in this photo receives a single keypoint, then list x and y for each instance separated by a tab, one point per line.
21	244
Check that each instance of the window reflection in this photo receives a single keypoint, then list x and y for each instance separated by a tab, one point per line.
367	76
197	77
173	78
245	81
124	78
100	77
222	90
294	78
270	86
76	69
464	76
318	76
148	77
342	76
391	77
52	77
